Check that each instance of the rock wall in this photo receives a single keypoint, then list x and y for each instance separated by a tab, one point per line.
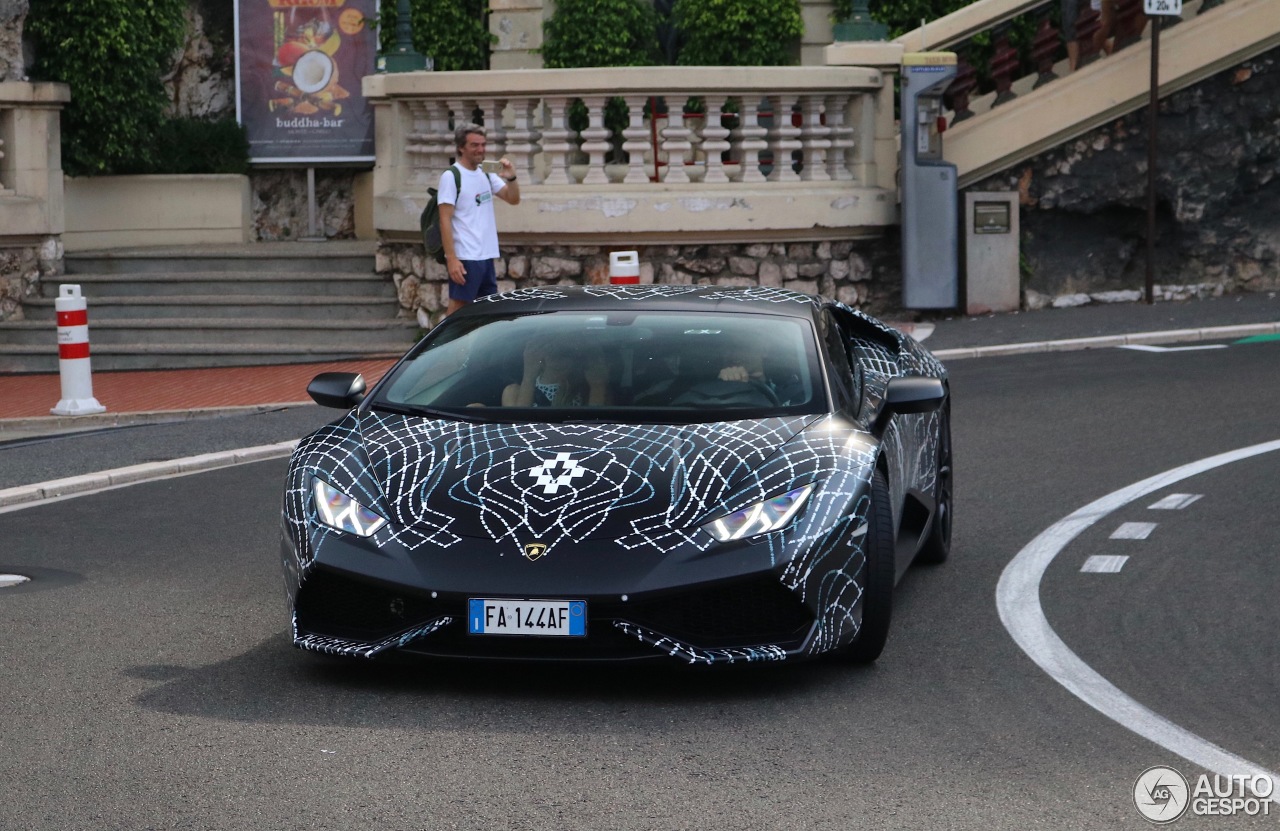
12	15
280	203
202	81
1084	204
22	267
837	269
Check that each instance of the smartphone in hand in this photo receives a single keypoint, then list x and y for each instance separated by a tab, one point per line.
491	166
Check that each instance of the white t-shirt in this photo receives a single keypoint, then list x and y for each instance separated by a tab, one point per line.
475	233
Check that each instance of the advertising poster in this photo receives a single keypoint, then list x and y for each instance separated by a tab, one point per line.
298	70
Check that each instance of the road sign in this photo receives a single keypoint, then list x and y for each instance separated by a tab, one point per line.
1170	7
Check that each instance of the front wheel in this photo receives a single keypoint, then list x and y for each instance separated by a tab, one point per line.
877	590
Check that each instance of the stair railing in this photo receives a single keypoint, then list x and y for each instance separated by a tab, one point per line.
1008	47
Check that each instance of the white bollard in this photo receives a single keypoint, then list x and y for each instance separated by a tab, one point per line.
73	355
624	268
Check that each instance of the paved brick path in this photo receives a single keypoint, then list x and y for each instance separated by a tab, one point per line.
28	396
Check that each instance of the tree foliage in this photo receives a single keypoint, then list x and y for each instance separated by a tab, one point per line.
600	33
455	33
112	53
738	32
902	15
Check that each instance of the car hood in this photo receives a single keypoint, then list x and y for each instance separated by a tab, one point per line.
443	481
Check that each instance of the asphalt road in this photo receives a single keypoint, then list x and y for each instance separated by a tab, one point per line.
148	682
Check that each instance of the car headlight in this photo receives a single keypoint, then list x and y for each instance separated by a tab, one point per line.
337	510
761	518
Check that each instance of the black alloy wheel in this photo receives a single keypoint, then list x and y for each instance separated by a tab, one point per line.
877	598
937	547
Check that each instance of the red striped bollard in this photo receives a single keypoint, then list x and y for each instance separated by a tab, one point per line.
73	355
624	268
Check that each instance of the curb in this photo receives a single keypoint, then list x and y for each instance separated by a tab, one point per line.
1243	330
29	495
50	424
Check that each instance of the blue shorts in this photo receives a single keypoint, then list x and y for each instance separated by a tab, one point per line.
482	281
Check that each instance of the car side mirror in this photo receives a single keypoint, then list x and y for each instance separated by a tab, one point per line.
914	395
341	390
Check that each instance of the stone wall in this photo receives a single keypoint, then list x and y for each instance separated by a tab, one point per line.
12	15
22	267
1084	214
836	269
280	204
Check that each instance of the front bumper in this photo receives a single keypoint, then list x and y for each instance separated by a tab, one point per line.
743	619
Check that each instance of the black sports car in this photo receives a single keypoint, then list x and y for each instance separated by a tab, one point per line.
608	473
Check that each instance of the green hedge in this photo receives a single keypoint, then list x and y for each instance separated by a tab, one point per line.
738	32
113	54
902	15
600	33
197	145
454	33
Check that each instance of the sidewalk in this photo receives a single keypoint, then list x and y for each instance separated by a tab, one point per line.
170	395
164	395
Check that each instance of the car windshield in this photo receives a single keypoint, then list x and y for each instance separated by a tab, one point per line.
630	366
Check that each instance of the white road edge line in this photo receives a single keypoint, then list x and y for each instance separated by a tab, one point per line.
1105	341
27	496
1018	601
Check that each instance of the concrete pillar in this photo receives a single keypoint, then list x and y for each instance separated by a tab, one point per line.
517	24
817	31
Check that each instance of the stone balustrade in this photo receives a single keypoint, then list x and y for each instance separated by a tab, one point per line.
662	155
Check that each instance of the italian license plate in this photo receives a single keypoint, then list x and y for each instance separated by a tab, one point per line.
546	618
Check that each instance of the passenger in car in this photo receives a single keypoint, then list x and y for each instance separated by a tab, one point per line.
560	374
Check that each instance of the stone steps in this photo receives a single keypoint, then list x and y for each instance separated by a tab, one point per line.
240	306
193	283
208	306
342	334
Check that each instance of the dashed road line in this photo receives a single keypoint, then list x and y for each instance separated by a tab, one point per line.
1018	602
1133	531
1175	502
1104	564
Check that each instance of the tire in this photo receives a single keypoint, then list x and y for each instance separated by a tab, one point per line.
877	602
937	546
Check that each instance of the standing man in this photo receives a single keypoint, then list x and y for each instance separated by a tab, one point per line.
468	230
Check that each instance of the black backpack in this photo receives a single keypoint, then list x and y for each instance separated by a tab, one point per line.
430	220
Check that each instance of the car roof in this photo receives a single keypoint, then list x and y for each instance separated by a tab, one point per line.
650	297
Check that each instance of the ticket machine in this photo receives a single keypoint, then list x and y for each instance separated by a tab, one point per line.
930	226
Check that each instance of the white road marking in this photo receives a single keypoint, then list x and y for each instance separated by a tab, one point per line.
1018	601
1104	563
1175	502
1142	347
42	493
1133	531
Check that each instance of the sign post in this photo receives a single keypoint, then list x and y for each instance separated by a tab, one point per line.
1156	10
